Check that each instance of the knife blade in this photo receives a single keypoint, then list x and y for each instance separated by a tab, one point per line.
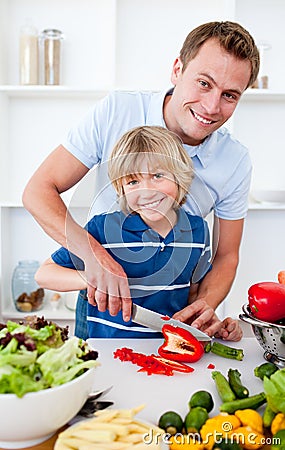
155	321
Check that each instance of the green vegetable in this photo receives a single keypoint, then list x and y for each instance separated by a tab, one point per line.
268	416
36	355
278	440
195	418
60	365
227	444
236	384
274	388
265	370
203	399
252	402
223	387
207	347
171	422
227	352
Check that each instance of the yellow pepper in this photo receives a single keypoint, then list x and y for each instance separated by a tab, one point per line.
218	427
185	442
250	417
278	423
248	438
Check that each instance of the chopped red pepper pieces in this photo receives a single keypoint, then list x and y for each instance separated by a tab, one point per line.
165	317
151	364
211	366
180	345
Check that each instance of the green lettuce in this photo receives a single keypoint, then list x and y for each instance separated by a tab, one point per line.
38	355
274	388
17	357
59	365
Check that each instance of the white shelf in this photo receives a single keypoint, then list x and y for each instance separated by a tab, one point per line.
62	313
267	206
15	91
262	95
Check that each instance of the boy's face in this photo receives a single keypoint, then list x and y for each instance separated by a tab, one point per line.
151	194
206	93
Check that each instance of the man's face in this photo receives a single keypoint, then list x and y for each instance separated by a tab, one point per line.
206	93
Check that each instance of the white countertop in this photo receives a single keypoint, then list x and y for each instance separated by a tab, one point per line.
160	393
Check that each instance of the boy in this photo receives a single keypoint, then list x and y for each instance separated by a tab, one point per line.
164	250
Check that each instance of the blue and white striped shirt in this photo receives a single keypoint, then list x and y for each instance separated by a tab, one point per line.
159	270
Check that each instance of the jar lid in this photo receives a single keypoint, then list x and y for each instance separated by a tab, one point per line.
52	33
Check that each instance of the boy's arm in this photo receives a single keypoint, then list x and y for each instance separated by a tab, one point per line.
57	278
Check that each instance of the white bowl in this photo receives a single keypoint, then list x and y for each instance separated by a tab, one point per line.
32	419
269	196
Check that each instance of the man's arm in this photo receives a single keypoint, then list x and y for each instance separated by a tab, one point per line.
107	281
217	283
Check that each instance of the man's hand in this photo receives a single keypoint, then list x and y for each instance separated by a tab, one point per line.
107	284
230	331
200	315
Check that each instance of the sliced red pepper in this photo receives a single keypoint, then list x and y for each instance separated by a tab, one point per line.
211	366
175	365
266	301
165	317
180	345
151	364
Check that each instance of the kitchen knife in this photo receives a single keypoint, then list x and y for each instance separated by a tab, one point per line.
155	321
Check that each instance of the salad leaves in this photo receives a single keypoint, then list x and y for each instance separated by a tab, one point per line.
274	388
37	354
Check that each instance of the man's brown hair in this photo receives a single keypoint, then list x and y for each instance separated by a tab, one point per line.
232	37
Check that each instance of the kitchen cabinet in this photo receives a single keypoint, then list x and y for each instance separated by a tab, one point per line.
106	47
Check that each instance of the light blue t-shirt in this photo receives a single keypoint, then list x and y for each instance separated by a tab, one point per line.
222	164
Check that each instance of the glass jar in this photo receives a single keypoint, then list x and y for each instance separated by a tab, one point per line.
52	55
27	295
29	54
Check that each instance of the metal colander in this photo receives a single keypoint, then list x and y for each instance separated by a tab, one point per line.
270	336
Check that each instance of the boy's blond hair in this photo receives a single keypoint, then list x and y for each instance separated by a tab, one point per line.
160	148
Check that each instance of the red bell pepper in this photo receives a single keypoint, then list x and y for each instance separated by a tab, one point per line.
180	345
151	364
266	301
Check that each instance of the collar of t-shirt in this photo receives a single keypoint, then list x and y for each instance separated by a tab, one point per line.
185	222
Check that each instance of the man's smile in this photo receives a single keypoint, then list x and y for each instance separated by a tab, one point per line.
201	119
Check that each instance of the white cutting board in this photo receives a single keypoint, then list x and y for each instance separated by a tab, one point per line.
160	393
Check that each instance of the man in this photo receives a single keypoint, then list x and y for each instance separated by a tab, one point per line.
217	62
